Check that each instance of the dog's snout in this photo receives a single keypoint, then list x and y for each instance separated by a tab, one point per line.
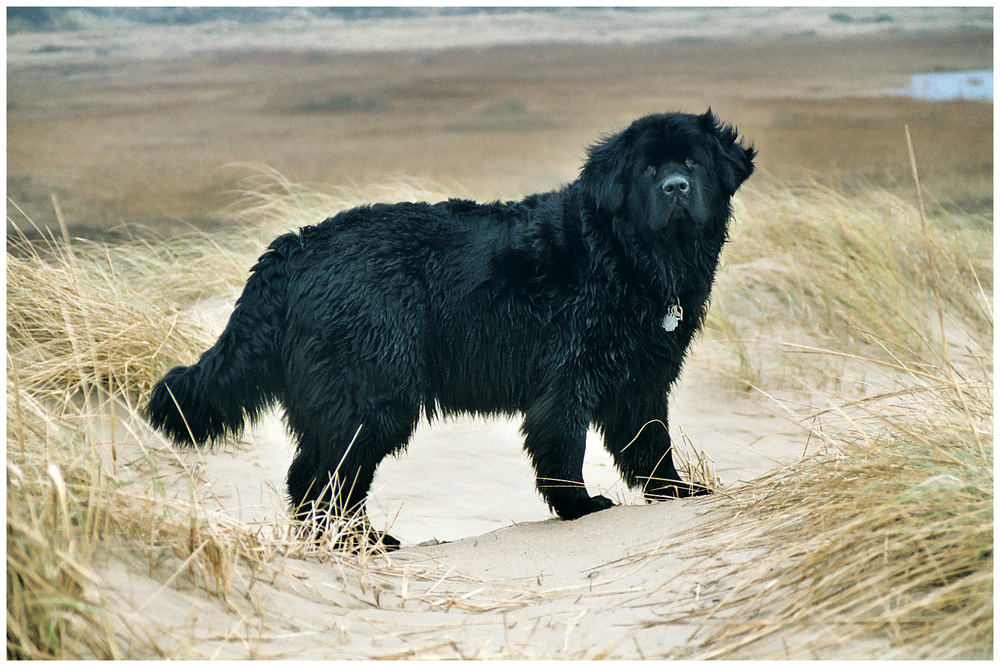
675	184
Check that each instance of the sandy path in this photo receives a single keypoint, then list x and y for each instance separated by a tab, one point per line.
510	581
467	476
617	583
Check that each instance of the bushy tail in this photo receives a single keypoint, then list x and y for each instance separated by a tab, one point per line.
239	376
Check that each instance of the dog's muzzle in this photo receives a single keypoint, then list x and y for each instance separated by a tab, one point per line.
676	186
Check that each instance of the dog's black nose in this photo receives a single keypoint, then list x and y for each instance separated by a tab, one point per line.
675	184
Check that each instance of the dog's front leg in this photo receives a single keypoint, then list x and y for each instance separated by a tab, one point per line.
555	430
637	435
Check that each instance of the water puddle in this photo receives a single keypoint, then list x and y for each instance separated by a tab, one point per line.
945	86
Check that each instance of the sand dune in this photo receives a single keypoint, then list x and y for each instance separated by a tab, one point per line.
485	570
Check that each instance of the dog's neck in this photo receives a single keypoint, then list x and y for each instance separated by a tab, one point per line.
669	269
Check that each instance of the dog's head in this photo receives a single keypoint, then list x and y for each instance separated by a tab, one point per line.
669	171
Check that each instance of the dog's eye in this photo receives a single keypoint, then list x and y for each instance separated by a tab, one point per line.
691	163
649	171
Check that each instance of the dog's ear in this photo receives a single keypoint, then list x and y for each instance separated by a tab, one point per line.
603	176
737	160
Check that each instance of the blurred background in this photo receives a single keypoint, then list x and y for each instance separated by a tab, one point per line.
151	116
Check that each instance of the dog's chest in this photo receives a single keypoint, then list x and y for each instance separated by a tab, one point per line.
644	346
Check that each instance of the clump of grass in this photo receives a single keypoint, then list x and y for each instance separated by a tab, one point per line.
86	315
91	327
695	464
69	513
87	328
809	264
52	610
889	535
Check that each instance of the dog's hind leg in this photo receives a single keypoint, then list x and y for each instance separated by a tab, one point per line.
555	431
331	474
637	436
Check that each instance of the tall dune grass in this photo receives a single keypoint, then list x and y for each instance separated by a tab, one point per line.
890	535
90	328
809	267
85	322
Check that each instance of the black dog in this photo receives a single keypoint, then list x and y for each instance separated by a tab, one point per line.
573	307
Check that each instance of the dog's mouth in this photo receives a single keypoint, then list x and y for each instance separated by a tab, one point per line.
673	216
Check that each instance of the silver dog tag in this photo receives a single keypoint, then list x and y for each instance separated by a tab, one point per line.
673	317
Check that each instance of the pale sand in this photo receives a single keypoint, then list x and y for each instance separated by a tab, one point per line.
466	476
603	585
514	582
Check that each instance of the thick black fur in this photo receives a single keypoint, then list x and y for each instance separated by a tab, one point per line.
551	307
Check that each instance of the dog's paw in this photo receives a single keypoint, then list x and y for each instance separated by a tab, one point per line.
370	540
583	507
672	490
389	542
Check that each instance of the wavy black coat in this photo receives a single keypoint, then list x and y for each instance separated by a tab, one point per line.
551	307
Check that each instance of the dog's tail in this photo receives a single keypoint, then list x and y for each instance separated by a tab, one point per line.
239	376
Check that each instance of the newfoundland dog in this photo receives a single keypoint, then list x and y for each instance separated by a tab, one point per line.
572	307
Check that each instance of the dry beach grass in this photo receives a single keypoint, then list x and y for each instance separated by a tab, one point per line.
886	538
842	311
